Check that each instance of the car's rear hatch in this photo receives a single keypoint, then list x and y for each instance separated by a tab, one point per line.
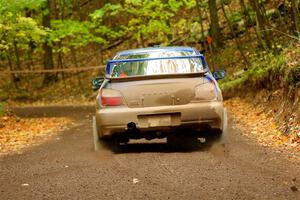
148	92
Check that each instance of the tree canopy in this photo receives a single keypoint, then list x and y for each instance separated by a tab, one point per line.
58	29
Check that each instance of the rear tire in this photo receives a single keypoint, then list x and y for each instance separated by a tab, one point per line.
213	135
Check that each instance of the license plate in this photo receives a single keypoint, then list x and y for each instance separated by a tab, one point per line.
160	120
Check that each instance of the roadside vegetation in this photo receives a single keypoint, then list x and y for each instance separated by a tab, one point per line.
268	70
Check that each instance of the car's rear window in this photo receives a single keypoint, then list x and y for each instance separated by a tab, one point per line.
160	64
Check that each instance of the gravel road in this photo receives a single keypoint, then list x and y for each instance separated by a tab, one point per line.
66	167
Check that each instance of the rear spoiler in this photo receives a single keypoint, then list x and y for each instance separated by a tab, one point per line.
108	68
160	76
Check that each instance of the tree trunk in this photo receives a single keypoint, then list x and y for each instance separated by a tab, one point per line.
200	19
15	79
246	17
48	55
237	40
60	63
17	54
245	12
74	58
263	34
201	24
214	24
78	9
296	20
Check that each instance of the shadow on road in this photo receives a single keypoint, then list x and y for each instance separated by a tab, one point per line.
188	142
161	146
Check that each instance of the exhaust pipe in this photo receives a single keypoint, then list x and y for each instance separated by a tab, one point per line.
132	131
131	126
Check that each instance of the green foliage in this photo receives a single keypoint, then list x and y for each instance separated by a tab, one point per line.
71	34
14	6
235	17
252	14
262	66
15	29
175	5
1	109
22	33
189	4
228	84
102	32
108	10
152	19
293	75
149	18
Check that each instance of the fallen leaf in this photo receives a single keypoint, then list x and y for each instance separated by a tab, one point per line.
135	180
294	188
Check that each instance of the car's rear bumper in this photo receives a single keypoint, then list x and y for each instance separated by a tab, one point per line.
192	115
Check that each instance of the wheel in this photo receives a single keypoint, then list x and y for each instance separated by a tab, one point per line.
213	136
95	135
124	139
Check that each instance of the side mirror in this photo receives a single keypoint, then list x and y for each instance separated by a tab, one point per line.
97	82
219	74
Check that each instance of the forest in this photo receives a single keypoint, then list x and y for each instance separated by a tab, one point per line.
62	35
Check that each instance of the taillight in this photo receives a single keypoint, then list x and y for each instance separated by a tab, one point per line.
206	91
110	97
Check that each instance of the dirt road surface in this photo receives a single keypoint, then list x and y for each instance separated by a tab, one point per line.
66	167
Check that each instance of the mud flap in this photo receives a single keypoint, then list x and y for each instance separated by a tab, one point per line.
95	135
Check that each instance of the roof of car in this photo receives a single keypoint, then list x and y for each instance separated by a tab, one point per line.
156	48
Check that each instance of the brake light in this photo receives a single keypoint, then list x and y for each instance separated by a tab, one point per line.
110	97
206	91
